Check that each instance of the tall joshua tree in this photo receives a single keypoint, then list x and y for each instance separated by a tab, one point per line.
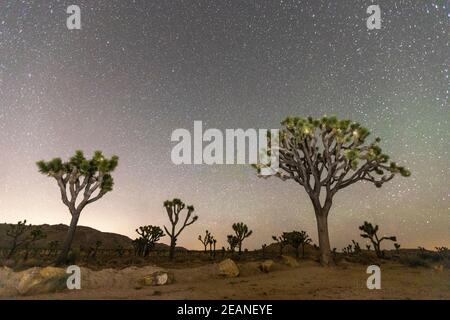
242	232
174	209
327	155
81	182
370	232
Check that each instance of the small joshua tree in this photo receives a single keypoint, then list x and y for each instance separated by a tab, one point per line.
213	243
356	246
281	242
368	247
397	247
241	232
297	239
17	234
81	182
327	155
263	250
174	209
149	236
35	235
207	240
370	232
233	242
20	237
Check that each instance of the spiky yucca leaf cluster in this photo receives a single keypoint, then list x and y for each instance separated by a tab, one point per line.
309	146
350	135
78	166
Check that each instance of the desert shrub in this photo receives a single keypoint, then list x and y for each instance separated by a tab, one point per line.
362	258
429	255
73	256
29	263
413	261
446	263
113	263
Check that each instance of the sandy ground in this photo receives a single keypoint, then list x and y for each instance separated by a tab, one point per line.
308	281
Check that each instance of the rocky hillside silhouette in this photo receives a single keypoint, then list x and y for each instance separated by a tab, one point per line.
84	236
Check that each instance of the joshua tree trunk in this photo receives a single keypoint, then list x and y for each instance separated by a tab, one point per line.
376	246
27	252
12	251
324	239
62	258
173	243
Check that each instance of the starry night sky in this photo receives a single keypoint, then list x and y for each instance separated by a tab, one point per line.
140	69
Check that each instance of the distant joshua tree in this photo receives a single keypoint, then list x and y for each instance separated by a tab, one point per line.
149	236
327	155
174	209
370	232
297	239
17	234
397	247
21	236
85	180
35	235
212	247
207	240
233	242
357	247
241	232
263	250
347	250
281	242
